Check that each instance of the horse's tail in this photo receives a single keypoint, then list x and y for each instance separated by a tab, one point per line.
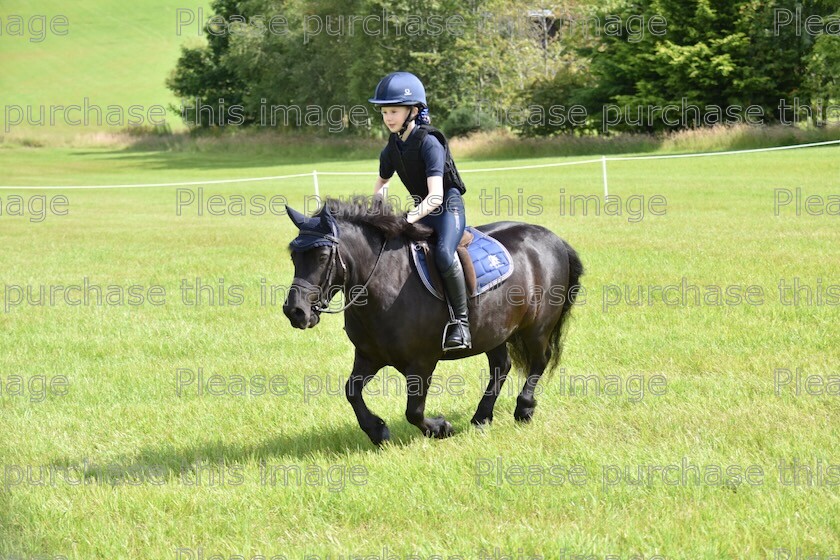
555	340
518	351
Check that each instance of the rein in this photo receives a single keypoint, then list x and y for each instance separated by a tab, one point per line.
323	305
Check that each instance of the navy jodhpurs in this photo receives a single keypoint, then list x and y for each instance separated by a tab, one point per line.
448	221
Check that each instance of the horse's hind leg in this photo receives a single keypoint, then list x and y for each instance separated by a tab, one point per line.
418	378
499	362
538	355
364	369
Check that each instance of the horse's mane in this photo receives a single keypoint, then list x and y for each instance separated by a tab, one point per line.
376	212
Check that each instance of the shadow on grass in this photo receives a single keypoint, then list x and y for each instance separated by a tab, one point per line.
337	445
252	149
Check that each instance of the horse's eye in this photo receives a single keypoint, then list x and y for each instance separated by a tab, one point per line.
323	259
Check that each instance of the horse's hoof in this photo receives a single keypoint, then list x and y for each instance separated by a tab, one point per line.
446	430
380	434
480	422
524	409
440	428
524	414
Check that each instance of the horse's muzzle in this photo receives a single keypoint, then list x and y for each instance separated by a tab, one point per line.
301	318
298	306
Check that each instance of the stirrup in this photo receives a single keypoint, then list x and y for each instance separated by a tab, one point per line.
446	330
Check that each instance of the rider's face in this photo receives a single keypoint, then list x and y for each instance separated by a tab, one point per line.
395	116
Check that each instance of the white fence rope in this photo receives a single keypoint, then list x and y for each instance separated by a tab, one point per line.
315	173
729	153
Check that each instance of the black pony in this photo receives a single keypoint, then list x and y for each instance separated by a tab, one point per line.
362	248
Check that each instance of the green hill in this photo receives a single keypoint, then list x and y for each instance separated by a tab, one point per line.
111	53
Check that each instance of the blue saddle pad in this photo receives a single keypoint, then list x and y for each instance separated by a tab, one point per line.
491	261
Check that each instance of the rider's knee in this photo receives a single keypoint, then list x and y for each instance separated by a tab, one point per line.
444	260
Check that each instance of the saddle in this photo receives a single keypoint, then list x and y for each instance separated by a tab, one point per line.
485	260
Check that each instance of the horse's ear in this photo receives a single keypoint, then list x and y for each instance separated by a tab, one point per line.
301	221
328	224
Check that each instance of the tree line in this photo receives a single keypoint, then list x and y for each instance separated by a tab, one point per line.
577	67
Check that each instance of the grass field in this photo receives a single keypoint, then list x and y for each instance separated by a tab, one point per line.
184	476
110	53
705	430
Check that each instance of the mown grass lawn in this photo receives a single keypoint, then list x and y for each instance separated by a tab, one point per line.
144	467
95	54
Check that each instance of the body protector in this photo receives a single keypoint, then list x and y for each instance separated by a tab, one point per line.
411	168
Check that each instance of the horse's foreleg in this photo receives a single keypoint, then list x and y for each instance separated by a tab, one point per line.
499	362
364	369
418	379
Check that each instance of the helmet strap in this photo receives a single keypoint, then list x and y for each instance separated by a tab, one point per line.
406	122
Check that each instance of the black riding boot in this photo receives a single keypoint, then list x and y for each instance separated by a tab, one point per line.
458	337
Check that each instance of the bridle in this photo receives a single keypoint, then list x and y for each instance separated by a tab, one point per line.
323	289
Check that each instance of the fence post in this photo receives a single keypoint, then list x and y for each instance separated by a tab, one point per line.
604	172
315	180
